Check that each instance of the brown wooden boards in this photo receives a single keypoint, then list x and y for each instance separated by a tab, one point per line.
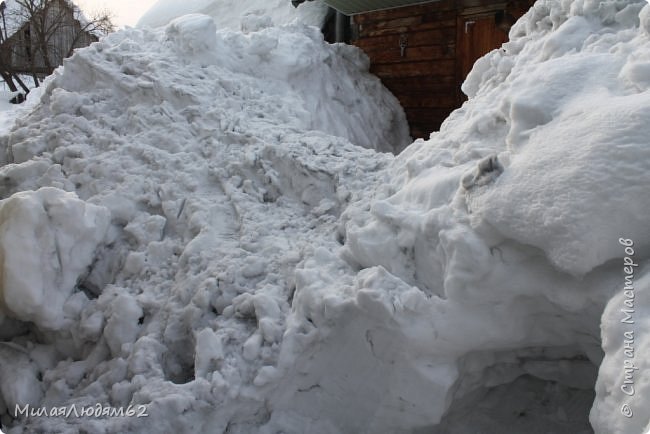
477	36
413	50
423	53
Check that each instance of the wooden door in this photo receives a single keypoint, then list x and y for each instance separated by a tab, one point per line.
477	36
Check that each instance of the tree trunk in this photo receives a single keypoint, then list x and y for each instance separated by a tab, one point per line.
20	82
7	78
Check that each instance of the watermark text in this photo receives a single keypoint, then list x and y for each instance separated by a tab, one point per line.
627	317
93	411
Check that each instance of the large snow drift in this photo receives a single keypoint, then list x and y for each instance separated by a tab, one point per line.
262	274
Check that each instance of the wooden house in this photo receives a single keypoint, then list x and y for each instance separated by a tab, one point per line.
36	41
423	50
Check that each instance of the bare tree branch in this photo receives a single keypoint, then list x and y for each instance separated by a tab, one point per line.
46	32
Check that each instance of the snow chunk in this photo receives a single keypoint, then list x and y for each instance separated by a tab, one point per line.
47	241
122	326
194	35
209	351
19	384
644	17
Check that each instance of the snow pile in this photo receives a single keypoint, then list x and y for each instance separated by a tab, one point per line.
246	15
203	151
487	259
260	273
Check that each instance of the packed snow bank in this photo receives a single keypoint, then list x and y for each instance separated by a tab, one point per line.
246	15
47	242
260	273
491	253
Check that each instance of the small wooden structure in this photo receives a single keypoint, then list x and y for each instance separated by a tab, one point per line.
39	45
423	50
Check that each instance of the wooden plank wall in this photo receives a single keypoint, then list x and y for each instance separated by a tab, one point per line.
440	50
424	78
18	51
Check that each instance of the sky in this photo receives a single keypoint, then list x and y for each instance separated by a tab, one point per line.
125	12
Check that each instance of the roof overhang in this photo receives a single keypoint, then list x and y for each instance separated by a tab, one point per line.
354	7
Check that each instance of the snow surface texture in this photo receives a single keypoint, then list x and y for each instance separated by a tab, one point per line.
492	252
244	15
260	275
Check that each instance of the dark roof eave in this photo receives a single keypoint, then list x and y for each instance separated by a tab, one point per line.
354	7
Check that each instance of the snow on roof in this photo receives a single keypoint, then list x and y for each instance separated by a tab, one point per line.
232	14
